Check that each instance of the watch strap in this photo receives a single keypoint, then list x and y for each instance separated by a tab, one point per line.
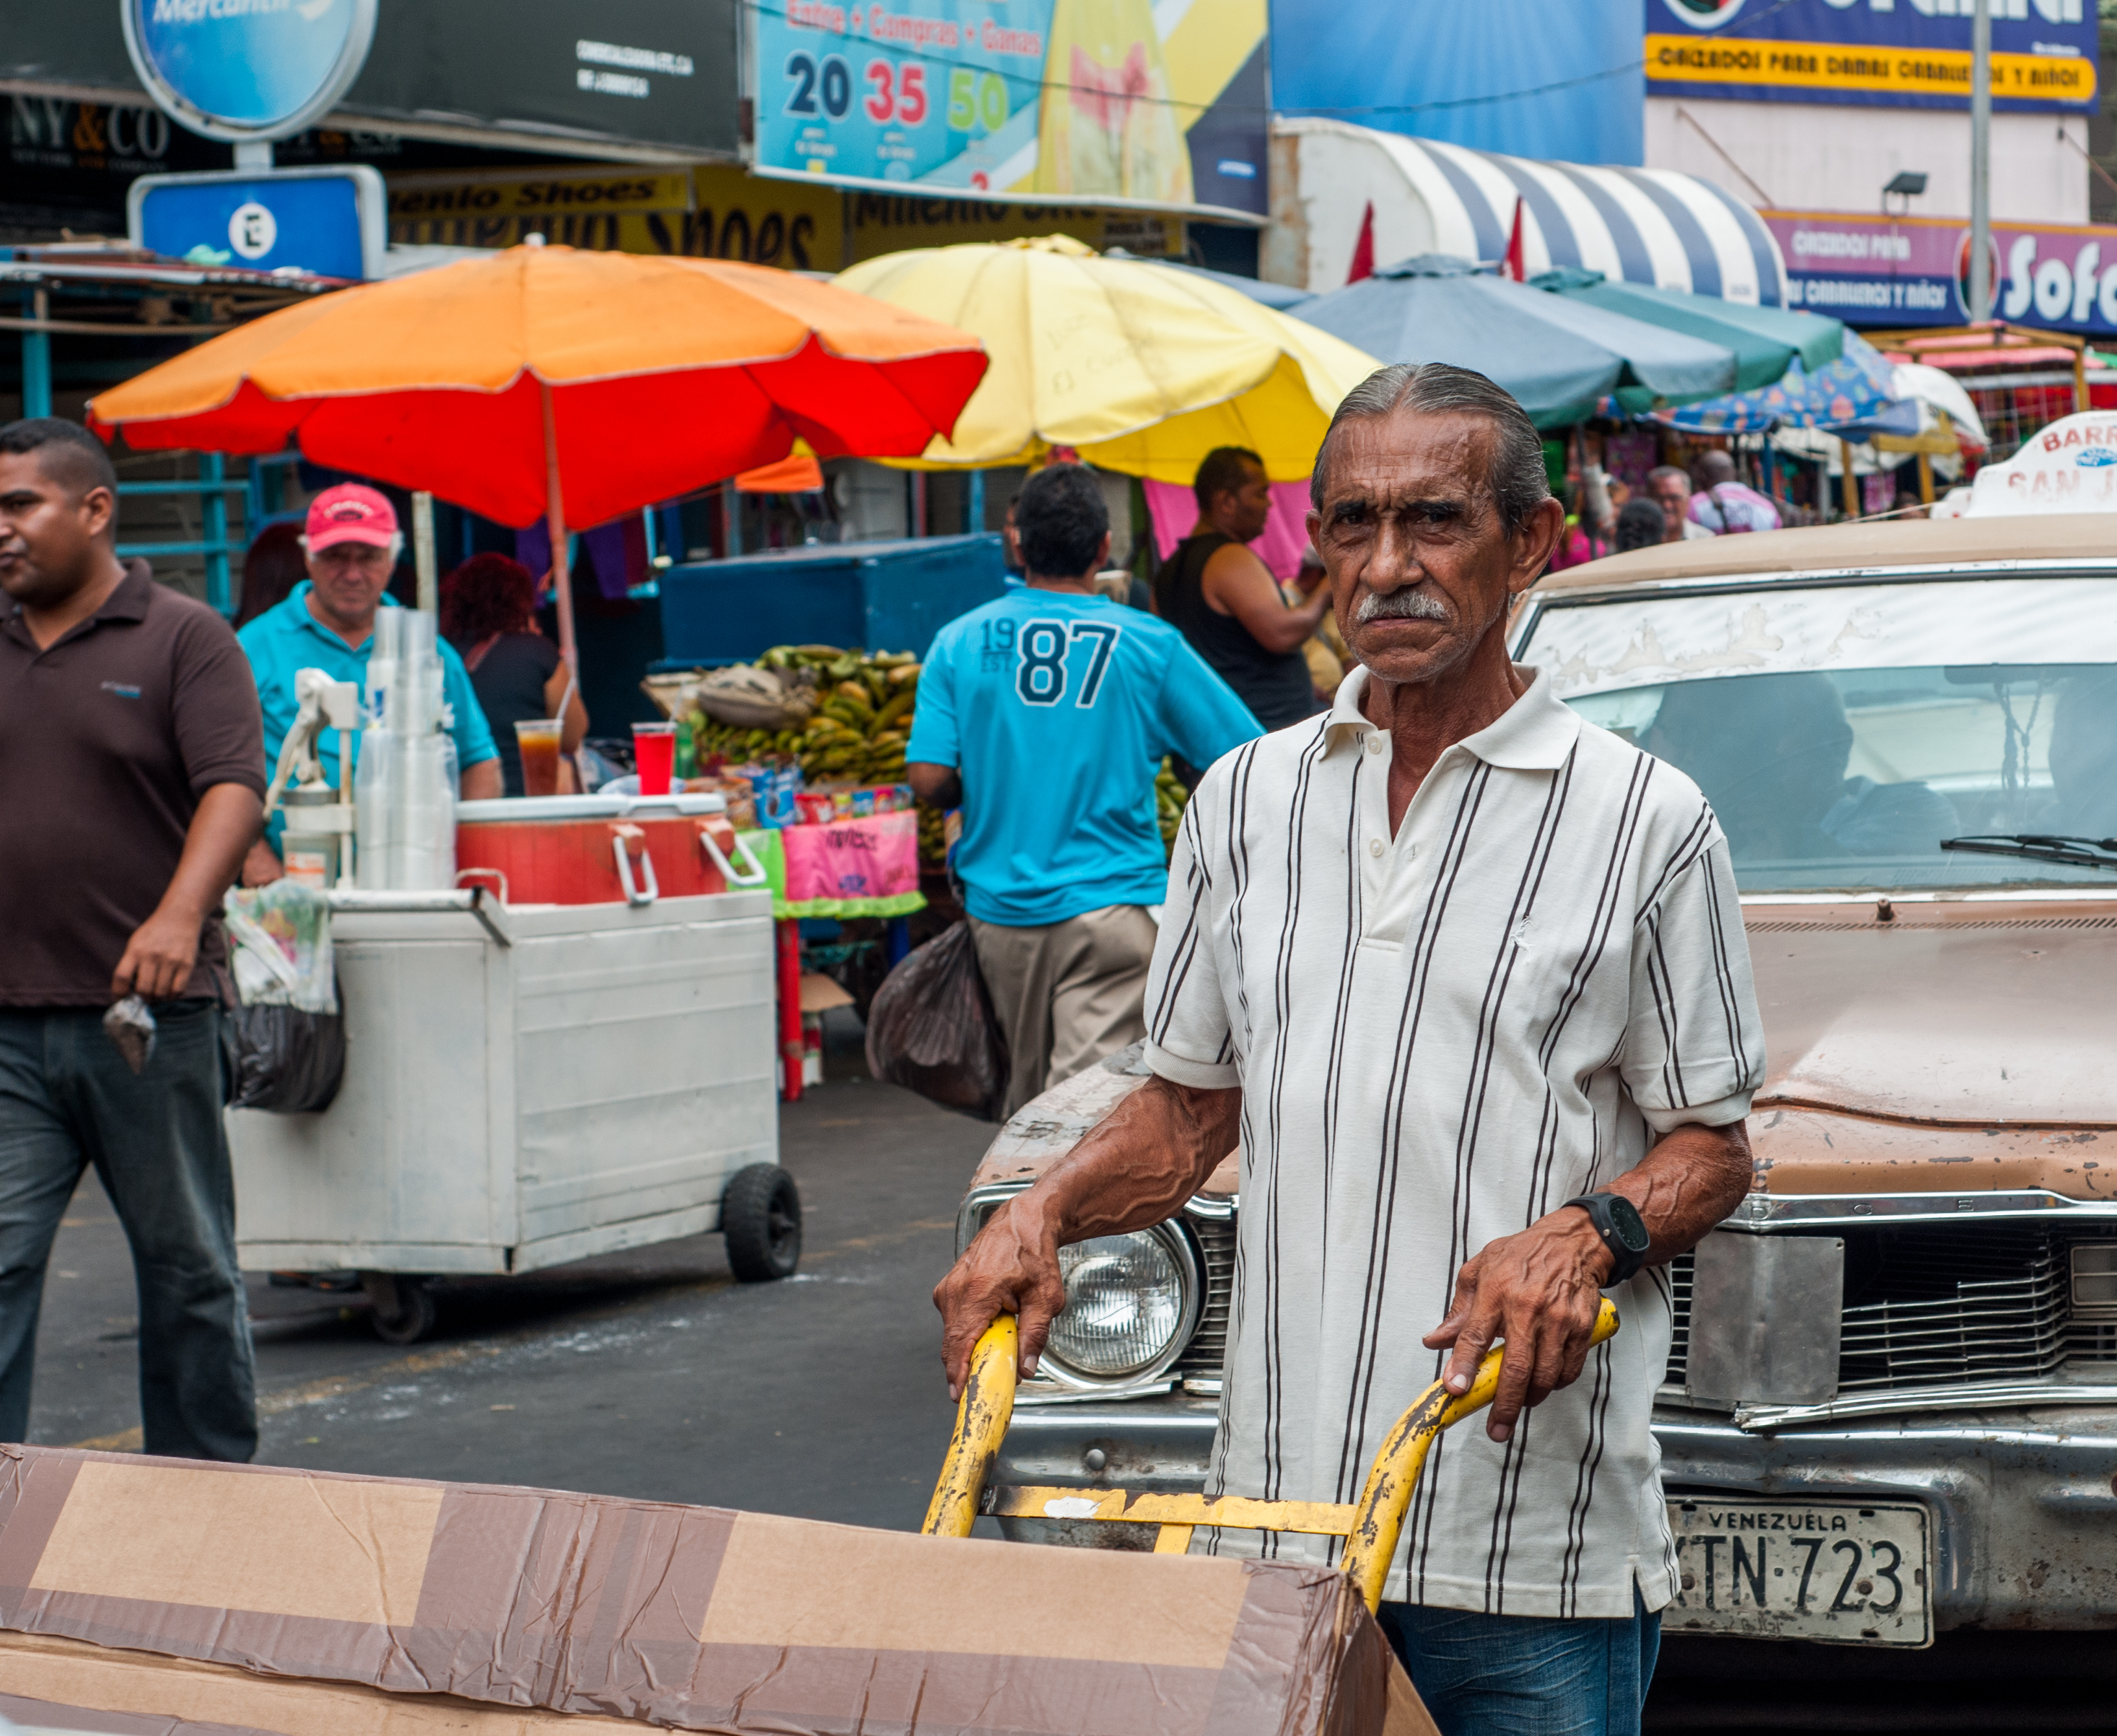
1627	1260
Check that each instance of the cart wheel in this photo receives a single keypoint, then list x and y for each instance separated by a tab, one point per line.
761	1219
402	1308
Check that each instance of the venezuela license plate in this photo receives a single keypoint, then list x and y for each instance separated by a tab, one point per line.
1851	1572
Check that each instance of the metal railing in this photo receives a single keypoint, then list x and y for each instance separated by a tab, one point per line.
212	489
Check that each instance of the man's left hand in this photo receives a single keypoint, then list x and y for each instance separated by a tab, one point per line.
1540	1290
158	958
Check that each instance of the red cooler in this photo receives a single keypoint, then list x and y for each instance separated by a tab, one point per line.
586	850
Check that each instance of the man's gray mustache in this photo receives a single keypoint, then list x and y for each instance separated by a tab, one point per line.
1399	606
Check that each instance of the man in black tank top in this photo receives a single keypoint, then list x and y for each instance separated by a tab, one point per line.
1216	592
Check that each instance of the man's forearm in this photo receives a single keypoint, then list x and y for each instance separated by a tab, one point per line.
1688	1183
1151	1154
1289	628
227	822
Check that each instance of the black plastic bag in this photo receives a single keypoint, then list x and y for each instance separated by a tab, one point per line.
931	1029
284	1059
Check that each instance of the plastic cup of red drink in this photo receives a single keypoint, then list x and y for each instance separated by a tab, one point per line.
654	755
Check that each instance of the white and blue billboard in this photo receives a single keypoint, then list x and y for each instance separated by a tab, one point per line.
248	69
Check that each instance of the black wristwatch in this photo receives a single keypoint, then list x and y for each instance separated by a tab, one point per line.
1623	1231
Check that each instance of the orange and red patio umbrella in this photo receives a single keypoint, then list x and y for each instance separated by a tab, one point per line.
545	382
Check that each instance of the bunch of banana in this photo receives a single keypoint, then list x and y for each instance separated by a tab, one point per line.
1170	798
933	835
856	734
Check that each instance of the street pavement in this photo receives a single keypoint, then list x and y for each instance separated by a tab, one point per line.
653	1374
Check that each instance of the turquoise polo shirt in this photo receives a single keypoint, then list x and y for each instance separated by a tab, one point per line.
287	638
1057	708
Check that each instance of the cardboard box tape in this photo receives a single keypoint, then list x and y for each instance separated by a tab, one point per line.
169	1598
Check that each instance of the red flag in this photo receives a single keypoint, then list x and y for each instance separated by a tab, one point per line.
1363	249
1516	266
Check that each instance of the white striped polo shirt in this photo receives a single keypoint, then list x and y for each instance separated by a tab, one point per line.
1440	1037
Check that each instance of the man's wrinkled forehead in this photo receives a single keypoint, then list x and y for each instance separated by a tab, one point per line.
1410	455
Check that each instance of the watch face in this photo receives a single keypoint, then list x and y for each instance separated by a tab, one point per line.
1630	1227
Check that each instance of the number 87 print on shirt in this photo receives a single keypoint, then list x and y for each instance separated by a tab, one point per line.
1057	707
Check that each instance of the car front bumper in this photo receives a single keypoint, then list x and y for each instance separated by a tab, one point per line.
2025	1502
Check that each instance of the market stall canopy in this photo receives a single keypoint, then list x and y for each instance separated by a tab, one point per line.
545	382
1140	369
1766	341
1281	296
1855	387
1418	195
1943	394
1557	355
646	377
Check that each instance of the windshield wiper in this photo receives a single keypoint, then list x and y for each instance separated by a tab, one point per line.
2042	847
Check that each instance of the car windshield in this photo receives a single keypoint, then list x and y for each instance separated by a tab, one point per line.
1841	732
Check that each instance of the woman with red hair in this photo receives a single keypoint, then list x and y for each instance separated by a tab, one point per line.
488	613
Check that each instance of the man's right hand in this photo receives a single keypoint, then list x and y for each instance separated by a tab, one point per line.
1012	1267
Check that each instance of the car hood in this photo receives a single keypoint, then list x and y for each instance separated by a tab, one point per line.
1968	1014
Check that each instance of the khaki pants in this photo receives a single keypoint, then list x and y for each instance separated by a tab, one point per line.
1066	994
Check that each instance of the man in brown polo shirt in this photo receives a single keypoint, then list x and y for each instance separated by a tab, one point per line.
130	780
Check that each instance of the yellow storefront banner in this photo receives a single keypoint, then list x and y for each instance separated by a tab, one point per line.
1870	70
713	212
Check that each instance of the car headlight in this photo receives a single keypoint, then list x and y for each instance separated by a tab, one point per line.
1131	1303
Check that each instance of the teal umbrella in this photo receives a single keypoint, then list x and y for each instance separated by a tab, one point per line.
1558	356
1767	341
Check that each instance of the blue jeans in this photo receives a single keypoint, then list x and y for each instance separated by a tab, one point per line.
1526	1675
68	1100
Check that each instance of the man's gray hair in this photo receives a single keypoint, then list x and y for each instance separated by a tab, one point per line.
1518	481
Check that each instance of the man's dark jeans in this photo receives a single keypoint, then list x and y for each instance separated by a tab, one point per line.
66	1100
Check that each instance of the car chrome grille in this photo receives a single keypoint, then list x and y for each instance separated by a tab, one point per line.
1216	1250
1679	1300
1942	1305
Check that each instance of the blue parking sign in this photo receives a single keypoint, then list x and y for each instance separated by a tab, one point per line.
327	221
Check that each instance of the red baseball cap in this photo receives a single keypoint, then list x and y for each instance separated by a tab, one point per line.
350	513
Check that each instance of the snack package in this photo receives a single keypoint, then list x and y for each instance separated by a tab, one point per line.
130	1025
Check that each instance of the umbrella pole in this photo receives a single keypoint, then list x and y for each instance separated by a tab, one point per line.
555	521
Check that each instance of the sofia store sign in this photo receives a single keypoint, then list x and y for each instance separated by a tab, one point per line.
1915	271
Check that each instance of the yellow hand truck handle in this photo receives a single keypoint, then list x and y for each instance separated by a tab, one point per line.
1379	1514
982	1415
1371	1528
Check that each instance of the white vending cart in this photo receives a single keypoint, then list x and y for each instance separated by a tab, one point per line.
525	1085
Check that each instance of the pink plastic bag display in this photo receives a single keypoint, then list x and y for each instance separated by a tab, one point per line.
873	858
1175	510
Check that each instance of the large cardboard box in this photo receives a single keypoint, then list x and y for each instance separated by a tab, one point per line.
161	1597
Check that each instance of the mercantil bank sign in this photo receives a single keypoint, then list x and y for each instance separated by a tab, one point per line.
248	69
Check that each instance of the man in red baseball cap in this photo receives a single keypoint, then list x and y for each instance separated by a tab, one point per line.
351	543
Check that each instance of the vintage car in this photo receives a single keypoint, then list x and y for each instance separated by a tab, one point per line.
1891	1409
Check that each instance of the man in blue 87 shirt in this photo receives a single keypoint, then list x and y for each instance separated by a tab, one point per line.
1046	715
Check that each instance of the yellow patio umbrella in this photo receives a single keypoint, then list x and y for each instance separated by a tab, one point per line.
1141	369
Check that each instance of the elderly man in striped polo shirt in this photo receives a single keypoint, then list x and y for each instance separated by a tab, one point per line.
1465	976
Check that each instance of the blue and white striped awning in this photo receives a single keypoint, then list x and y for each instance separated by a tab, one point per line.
1638	225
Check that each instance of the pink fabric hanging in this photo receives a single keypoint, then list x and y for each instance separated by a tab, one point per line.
1175	510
